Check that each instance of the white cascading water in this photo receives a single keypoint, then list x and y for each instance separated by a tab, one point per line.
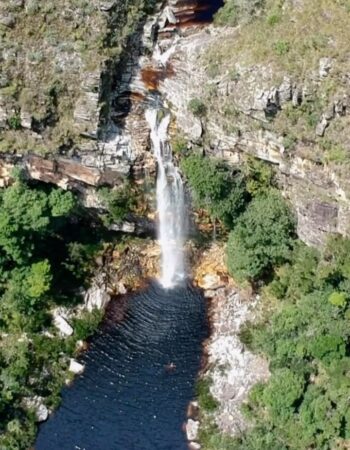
170	203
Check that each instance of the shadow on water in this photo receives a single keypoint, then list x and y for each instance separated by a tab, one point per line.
127	398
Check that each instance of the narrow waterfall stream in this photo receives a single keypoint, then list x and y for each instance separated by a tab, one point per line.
170	203
140	374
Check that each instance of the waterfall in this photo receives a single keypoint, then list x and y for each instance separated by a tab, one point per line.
170	203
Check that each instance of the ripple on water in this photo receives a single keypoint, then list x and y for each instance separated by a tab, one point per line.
127	399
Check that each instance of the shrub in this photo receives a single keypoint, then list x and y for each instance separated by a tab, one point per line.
197	107
14	122
259	176
235	11
281	47
118	202
205	399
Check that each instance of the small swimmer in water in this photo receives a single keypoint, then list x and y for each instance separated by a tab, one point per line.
170	367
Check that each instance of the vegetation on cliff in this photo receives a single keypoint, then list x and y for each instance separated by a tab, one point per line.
44	258
54	59
285	67
305	403
304	332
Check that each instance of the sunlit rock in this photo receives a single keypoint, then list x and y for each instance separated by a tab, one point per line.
192	427
75	367
61	324
97	297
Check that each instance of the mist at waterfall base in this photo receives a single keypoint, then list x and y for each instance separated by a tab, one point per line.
170	203
127	399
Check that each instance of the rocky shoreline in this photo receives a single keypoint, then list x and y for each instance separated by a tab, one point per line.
229	366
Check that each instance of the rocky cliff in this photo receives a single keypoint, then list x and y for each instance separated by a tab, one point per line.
258	98
64	94
292	117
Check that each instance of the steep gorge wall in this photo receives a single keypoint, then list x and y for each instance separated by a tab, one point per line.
250	107
297	124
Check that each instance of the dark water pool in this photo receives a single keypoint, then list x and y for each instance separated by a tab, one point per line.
127	399
197	11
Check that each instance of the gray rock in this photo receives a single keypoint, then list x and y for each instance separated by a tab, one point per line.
107	5
61	324
321	127
36	404
192	428
194	446
96	296
7	20
75	367
125	227
325	66
26	120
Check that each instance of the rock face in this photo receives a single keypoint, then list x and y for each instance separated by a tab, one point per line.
244	109
235	369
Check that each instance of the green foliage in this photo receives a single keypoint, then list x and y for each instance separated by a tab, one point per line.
262	238
281	47
307	342
14	122
61	203
211	438
215	188
205	399
179	145
38	262
282	394
338	299
298	276
235	11
197	107
259	176
118	202
86	324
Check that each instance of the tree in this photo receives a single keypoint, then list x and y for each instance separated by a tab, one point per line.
262	238
215	188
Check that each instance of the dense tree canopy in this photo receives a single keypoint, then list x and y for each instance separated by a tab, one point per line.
41	265
305	403
217	189
262	237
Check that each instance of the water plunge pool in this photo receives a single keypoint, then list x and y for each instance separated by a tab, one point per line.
138	380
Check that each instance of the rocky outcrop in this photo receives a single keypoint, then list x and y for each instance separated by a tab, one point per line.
97	296
60	321
242	106
75	367
231	368
235	370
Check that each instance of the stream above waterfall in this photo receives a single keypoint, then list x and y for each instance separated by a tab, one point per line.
128	398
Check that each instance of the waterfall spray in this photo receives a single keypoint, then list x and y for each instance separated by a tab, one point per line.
170	203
